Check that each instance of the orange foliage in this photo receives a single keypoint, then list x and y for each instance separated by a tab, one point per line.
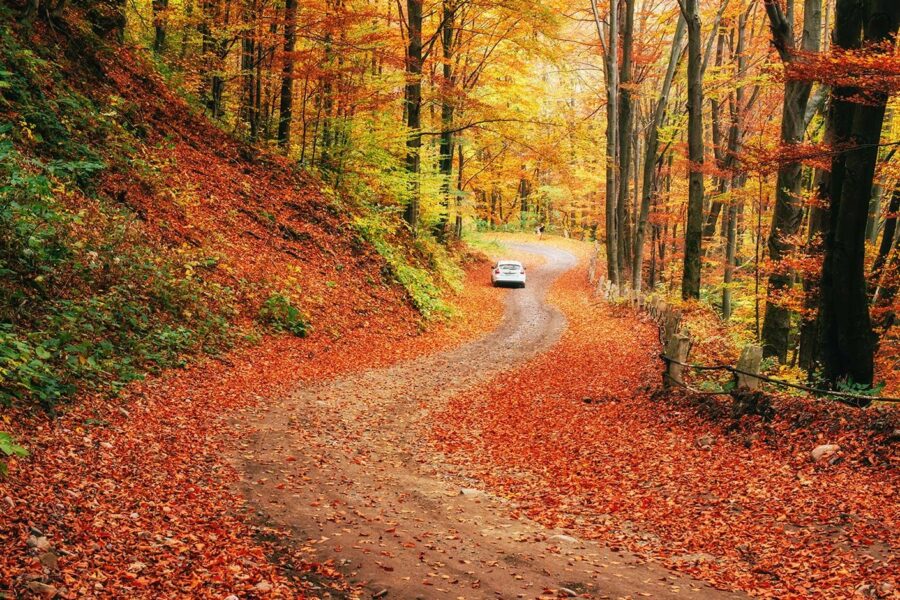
134	495
576	441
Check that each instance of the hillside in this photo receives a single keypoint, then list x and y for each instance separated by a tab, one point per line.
138	238
136	233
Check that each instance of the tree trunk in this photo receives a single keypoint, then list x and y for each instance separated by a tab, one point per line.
523	201
735	142
887	262
458	223
652	162
722	180
845	328
248	71
626	118
159	24
887	235
809	329
286	105
445	161
612	145
788	207
690	281
412	96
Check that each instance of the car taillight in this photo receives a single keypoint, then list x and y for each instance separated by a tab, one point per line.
496	271
523	270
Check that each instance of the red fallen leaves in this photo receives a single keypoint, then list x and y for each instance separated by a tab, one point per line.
133	496
576	441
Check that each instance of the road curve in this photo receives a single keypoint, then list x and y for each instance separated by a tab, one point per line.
344	466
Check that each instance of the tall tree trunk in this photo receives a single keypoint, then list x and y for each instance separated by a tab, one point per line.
886	272
412	96
888	234
872	223
809	329
735	141
845	328
718	143
445	162
248	70
159	24
626	118
286	105
458	223
788	206
652	162
611	72
693	243
523	200
214	49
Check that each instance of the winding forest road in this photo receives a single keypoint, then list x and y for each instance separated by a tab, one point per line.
346	466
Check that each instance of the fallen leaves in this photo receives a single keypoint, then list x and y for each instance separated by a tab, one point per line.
744	507
140	502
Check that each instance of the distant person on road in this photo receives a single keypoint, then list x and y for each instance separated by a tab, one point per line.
540	231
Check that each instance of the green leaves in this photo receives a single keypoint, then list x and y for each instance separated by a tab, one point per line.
419	283
8	447
279	312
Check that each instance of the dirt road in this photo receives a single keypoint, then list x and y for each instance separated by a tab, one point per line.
344	465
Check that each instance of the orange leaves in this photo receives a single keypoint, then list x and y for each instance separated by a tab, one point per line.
133	495
873	69
575	440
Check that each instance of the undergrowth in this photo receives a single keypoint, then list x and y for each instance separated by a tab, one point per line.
421	282
281	313
85	303
88	303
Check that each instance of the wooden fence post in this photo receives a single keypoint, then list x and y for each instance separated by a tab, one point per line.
751	357
671	320
677	349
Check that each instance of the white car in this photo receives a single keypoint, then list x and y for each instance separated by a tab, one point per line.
508	272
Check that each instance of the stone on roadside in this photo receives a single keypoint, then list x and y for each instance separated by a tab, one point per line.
38	542
824	451
564	538
47	591
470	492
50	560
567	593
263	586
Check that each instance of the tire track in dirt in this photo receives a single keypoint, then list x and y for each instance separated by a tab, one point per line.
345	466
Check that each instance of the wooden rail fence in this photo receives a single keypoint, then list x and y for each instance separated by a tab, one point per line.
676	346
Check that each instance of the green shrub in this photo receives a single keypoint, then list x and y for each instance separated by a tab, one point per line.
279	313
9	447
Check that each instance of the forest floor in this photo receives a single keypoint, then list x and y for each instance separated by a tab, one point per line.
385	506
516	454
537	462
131	497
